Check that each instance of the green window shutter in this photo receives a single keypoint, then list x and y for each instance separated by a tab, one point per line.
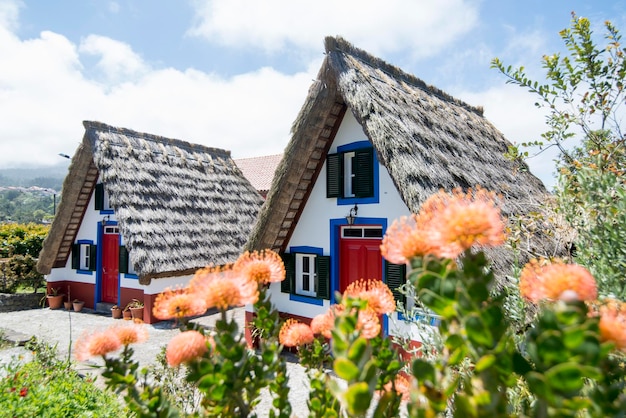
76	256
99	197
396	277
323	276
290	273
92	257
334	175
123	263
364	173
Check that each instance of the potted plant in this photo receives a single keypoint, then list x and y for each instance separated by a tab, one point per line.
136	308
126	314
78	305
116	312
55	299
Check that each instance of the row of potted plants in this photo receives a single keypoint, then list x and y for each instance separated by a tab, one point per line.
133	310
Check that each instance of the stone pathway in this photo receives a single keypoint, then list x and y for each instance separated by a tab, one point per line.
60	327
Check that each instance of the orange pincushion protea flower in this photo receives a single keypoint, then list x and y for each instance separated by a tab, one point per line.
324	323
459	220
405	239
295	334
261	266
96	344
541	281
178	303
185	347
377	294
133	334
224	287
403	387
613	323
368	323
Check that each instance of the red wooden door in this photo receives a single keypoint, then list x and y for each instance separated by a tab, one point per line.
359	259
110	264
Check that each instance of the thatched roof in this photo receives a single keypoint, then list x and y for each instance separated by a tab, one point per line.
179	206
426	139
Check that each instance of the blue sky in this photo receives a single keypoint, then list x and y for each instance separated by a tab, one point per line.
233	74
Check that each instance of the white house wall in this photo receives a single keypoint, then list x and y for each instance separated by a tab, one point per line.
88	231
313	227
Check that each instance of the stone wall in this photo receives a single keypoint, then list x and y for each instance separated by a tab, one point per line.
20	301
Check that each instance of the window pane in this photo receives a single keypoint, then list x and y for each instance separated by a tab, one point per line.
373	233
352	232
305	282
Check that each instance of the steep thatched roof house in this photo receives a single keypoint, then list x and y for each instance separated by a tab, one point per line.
140	212
370	144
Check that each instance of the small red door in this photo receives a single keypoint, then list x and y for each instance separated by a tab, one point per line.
360	258
110	264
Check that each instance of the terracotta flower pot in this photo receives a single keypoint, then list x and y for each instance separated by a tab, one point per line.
78	305
116	313
55	301
68	305
137	313
127	315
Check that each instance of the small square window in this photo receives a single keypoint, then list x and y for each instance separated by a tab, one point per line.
350	174
306	275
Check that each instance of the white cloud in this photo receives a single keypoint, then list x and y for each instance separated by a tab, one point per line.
418	26
511	109
117	60
9	13
46	96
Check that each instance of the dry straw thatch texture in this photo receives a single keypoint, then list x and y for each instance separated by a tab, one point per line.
179	206
426	139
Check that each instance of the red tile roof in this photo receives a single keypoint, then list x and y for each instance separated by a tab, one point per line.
259	170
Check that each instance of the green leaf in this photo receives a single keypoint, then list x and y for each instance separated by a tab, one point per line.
566	378
463	407
358	349
521	366
345	368
538	385
485	362
423	371
477	332
358	398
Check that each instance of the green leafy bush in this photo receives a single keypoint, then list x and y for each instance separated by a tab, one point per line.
45	387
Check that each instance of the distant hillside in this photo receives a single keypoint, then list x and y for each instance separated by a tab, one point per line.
48	177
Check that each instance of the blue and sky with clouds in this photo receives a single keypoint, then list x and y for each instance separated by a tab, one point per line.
233	74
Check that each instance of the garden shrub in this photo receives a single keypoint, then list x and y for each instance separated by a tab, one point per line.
46	387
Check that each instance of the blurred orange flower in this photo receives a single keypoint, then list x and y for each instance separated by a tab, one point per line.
224	287
261	266
178	303
96	344
185	347
323	324
405	239
133	334
459	221
403	386
377	294
295	334
540	280
613	323
368	323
